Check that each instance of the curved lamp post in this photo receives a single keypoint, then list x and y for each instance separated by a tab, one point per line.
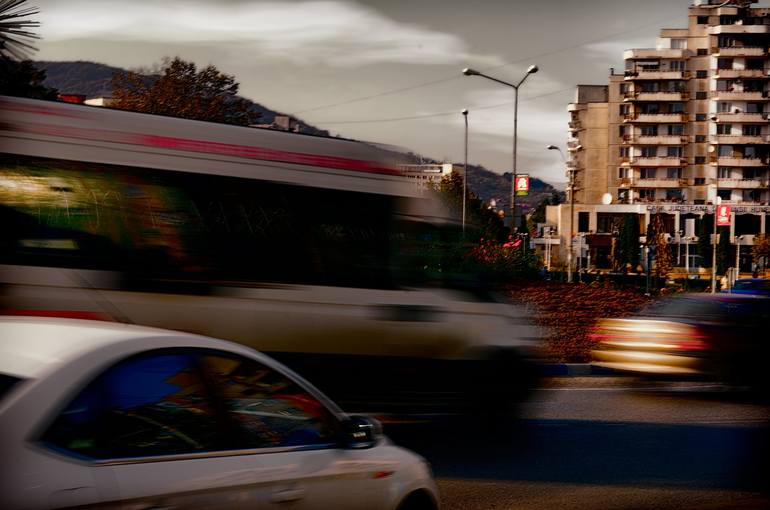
571	173
530	70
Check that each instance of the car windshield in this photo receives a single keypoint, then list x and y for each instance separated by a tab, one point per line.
6	383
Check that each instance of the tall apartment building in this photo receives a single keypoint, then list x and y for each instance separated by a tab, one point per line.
686	122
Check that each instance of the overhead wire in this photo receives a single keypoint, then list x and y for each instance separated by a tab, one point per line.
443	114
456	76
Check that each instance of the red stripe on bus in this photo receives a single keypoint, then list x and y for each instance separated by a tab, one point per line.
61	314
205	147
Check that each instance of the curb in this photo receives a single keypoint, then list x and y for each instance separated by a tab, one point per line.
573	369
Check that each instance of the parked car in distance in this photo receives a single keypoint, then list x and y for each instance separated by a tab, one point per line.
758	286
114	416
720	337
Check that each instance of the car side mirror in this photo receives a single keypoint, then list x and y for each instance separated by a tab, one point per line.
361	432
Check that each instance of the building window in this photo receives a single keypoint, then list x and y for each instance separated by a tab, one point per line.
752	195
676	65
700	117
649	152
753	107
725	194
624	152
624	109
624	87
647	194
703	51
700	160
727	19
700	138
724	107
676	108
701	74
724	129
674	152
678	44
726	41
649	130
583	218
622	131
703	20
725	151
647	173
675	129
699	181
701	95
674	195
724	172
623	173
673	173
752	130
724	63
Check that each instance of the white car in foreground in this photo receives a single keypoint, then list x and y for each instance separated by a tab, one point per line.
117	416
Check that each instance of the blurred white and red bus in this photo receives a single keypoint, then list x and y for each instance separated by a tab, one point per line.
311	249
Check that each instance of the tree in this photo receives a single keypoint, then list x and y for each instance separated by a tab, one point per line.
18	75
23	79
760	252
705	229
181	90
723	250
15	36
626	252
481	222
656	233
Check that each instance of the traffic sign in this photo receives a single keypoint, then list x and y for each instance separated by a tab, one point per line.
723	215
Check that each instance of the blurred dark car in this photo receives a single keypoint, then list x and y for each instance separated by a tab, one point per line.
757	286
719	337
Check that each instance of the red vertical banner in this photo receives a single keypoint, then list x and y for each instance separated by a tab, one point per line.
522	185
723	215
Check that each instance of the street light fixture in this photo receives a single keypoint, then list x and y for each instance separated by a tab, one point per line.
530	70
571	172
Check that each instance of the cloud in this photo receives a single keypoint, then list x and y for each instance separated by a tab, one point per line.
337	33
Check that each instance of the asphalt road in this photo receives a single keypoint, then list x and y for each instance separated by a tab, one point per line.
599	442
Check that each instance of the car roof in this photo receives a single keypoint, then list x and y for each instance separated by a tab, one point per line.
29	344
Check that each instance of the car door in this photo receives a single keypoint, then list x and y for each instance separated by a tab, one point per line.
150	422
296	454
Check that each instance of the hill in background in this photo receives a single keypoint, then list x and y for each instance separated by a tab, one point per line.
93	80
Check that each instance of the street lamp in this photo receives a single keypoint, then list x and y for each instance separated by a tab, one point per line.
571	173
465	166
530	70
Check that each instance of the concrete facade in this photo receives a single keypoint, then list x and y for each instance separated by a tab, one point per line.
683	123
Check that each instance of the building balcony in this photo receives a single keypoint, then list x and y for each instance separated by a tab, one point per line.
656	118
649	53
574	145
655	74
575	125
738	95
576	107
625	182
658	161
741	183
742	118
737	161
656	96
657	183
739	29
657	140
739	139
739	51
740	73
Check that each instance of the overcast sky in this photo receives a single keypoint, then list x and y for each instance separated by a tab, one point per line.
386	71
